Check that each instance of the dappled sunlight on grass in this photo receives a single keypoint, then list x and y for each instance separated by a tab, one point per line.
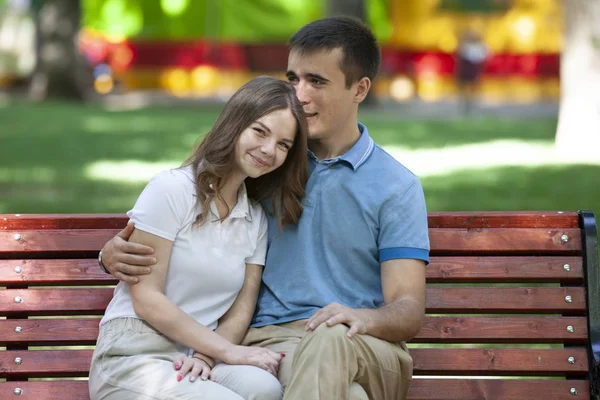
495	153
126	171
559	187
391	129
69	158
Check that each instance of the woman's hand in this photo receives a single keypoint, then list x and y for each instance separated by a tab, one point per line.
196	367
259	357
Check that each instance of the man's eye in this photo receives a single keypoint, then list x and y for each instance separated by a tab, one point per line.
292	79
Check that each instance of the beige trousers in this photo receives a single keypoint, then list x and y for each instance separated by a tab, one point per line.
326	364
133	361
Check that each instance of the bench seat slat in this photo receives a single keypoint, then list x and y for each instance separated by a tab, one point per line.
453	299
443	241
496	389
504	241
505	269
45	390
54	272
84	331
460	329
438	361
420	389
448	299
499	361
55	301
441	269
488	219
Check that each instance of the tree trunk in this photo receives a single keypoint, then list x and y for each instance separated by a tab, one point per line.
60	69
578	133
351	8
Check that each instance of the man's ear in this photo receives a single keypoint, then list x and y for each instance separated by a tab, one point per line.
361	88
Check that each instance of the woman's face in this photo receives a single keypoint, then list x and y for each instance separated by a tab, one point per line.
264	145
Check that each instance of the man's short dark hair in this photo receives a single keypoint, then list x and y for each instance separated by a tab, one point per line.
361	54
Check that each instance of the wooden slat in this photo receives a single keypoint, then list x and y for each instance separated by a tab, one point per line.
73	240
9	222
441	269
54	272
504	269
420	389
497	389
443	241
451	299
499	361
502	219
439	361
46	363
439	300
46	332
55	301
53	390
435	330
504	241
461	329
509	219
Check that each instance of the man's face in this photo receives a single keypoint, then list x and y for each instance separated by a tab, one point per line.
320	86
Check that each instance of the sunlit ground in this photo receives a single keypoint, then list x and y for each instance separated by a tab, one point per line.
57	158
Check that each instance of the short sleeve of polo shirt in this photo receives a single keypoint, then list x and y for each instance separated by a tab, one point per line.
163	205
260	254
403	229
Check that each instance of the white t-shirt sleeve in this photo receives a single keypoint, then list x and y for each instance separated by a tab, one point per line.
163	205
260	254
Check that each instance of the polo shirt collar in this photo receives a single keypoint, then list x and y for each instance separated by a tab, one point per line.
241	209
362	149
358	153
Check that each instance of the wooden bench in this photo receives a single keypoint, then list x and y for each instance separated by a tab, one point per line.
509	295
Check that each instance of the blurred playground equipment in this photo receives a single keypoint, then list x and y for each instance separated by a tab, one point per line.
209	48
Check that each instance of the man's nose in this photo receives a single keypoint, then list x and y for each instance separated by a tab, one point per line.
302	93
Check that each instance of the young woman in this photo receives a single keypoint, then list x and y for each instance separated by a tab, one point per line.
210	236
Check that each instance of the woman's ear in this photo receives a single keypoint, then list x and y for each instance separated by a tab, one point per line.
361	88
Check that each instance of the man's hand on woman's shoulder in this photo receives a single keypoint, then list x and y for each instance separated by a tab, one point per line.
125	260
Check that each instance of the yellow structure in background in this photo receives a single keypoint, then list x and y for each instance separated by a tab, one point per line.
526	27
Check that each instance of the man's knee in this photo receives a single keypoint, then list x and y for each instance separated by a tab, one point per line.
329	334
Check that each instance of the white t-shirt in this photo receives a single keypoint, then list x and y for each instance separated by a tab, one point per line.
208	262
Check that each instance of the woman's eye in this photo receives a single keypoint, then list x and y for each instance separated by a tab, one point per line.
259	131
284	146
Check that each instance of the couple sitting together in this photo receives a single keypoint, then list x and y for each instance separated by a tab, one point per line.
285	258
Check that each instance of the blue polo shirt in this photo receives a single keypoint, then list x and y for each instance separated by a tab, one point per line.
360	209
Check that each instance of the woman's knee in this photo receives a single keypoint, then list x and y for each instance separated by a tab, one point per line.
251	383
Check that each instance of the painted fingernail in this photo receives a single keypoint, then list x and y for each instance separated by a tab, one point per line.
282	355
192	379
177	366
178	378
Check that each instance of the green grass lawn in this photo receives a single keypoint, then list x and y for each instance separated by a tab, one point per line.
59	158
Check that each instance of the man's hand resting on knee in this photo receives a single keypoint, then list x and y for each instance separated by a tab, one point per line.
125	260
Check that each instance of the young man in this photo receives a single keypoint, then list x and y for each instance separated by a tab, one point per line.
345	288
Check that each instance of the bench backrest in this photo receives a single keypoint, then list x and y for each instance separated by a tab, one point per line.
508	295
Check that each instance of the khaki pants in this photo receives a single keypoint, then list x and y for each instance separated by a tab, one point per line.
133	361
327	365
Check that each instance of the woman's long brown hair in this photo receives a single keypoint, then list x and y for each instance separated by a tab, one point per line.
213	160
